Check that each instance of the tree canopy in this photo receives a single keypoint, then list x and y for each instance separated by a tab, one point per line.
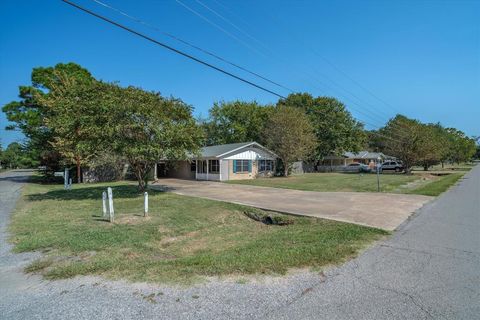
147	127
28	114
69	117
289	133
416	143
335	128
236	121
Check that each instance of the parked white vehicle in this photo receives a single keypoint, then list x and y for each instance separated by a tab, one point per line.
357	167
396	166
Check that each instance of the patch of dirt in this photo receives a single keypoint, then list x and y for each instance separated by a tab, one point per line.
165	242
424	179
131	219
161	256
163	229
131	255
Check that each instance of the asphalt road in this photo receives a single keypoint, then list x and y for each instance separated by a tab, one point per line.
429	269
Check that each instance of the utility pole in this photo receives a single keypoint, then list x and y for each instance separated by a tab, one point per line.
378	173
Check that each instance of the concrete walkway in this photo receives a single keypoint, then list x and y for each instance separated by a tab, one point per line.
381	210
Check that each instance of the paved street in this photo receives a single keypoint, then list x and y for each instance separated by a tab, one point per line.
380	210
429	269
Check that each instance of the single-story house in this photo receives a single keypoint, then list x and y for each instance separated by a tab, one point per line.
347	158
247	160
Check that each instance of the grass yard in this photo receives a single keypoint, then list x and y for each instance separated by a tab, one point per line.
438	186
421	183
183	240
462	167
335	182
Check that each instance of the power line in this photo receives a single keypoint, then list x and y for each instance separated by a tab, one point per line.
259	42
231	35
328	78
171	48
231	23
270	51
337	68
190	44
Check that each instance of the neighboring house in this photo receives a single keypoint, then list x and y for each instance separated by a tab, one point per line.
247	160
347	158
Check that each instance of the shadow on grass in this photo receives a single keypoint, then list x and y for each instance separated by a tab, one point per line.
93	192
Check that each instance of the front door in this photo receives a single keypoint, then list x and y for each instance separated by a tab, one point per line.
161	170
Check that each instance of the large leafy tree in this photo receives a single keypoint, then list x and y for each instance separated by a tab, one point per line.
146	127
434	145
335	128
404	138
462	148
29	115
236	121
78	115
290	134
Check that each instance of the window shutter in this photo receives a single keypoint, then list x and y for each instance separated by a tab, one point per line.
249	166
234	166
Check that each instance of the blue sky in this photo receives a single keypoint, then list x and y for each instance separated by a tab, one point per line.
379	57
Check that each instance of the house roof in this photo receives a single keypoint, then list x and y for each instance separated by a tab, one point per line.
364	155
360	155
223	149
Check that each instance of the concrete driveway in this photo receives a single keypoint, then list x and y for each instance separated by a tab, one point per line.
381	210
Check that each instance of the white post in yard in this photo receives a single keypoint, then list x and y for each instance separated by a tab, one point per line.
110	204
65	179
145	210
104	203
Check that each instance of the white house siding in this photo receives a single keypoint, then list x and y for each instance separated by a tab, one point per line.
250	154
208	176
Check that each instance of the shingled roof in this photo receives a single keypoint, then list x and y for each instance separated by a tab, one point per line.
223	149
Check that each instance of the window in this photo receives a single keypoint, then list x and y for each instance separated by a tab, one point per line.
241	166
202	166
213	166
193	166
266	165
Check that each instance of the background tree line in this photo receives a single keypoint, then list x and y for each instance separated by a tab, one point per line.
71	118
422	144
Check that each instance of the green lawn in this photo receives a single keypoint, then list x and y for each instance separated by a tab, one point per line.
354	182
438	186
183	240
462	167
350	182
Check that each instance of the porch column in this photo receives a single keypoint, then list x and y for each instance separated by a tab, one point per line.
155	177
196	169
220	169
207	169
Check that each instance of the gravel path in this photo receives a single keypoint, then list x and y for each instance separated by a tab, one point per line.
430	268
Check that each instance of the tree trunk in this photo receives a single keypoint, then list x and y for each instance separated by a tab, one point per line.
140	178
425	167
442	164
79	170
285	168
